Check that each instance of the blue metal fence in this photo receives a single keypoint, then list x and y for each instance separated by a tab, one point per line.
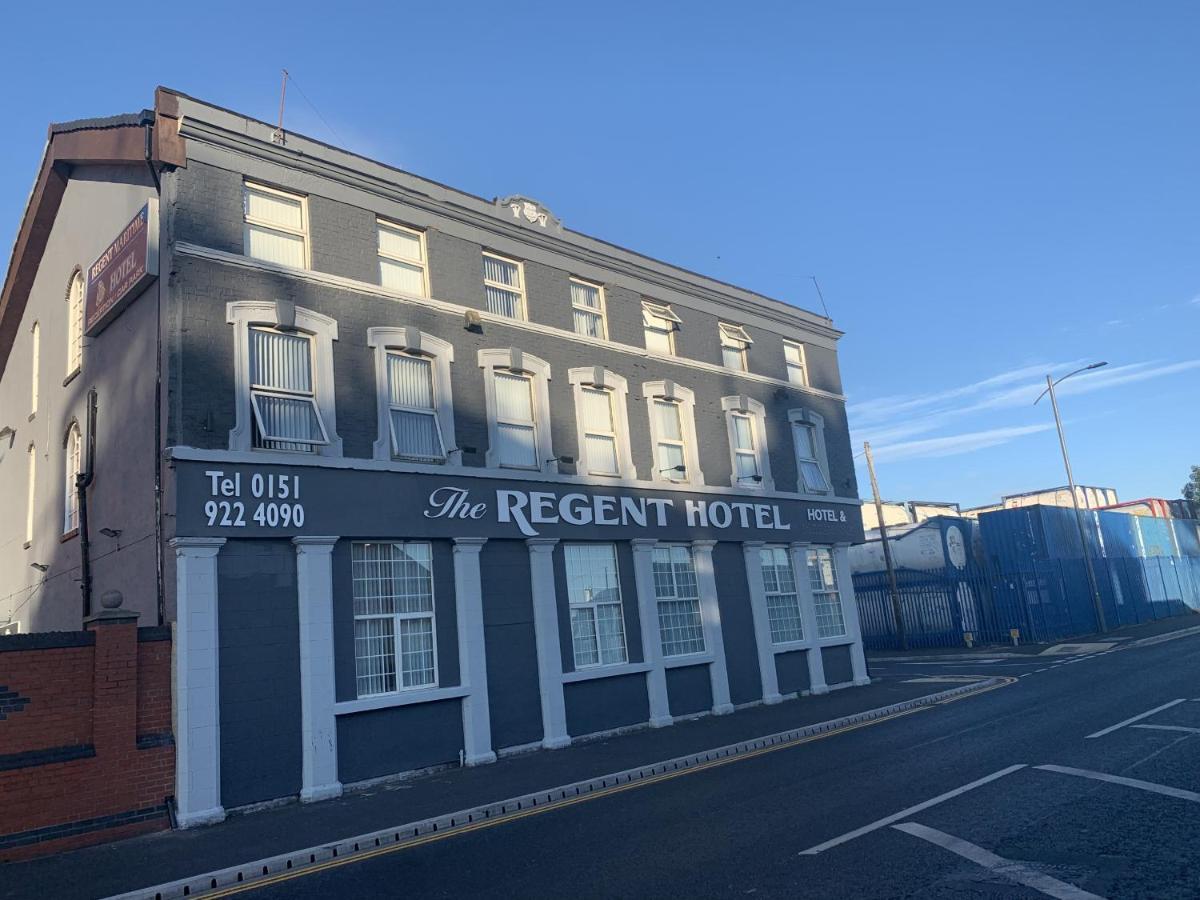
1044	600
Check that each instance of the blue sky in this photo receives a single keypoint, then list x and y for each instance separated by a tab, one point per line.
986	191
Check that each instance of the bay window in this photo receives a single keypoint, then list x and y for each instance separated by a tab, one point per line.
594	598
395	641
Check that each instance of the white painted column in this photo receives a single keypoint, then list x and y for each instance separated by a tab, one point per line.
762	622
549	647
318	725
656	677
197	683
808	616
845	579
472	652
710	613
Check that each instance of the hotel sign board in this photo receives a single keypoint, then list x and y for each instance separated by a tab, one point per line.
126	268
237	500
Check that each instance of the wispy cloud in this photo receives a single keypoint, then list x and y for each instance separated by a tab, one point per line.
954	444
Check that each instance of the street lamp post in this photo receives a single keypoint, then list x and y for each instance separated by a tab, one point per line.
1062	441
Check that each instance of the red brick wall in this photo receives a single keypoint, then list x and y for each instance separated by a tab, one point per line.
105	711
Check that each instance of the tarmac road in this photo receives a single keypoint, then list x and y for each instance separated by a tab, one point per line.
951	801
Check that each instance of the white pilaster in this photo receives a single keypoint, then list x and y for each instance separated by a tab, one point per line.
762	622
549	647
472	653
656	677
845	579
318	725
197	683
710	613
808	617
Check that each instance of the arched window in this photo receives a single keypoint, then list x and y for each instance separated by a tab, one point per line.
75	323
35	366
74	457
29	495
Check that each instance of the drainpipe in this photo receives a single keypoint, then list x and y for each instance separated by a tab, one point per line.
82	482
160	593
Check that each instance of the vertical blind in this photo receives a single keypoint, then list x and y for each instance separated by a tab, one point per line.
274	227
589	316
401	260
502	284
670	439
515	427
415	429
599	431
281	391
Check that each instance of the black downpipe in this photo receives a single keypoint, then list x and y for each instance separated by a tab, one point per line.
160	587
82	482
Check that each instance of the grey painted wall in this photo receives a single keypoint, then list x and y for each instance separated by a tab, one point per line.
689	690
259	634
602	704
343	242
792	671
837	664
119	363
737	623
400	739
513	693
445	615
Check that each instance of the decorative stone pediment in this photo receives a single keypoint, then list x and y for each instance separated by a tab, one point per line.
529	211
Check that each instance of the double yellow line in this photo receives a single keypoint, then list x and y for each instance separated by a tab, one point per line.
592	795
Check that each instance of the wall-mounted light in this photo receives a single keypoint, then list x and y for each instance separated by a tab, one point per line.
565	460
471	321
749	478
41	567
674	469
462	449
111	532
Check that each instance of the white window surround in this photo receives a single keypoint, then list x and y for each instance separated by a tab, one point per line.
72	466
75	303
757	413
385	256
457	310
618	388
516	361
441	354
35	367
817	422
286	316
249	222
669	390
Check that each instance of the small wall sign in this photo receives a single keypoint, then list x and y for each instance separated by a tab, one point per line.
122	271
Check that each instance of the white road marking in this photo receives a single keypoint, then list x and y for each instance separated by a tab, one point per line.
1150	786
905	813
1169	728
1132	719
1013	871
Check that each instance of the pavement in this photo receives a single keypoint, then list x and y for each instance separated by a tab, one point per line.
1080	778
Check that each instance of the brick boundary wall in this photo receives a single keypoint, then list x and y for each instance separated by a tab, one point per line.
86	751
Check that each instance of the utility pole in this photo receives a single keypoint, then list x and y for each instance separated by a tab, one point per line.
1083	542
897	611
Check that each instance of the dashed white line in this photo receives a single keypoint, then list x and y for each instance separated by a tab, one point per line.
905	813
1013	871
1152	787
1111	728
